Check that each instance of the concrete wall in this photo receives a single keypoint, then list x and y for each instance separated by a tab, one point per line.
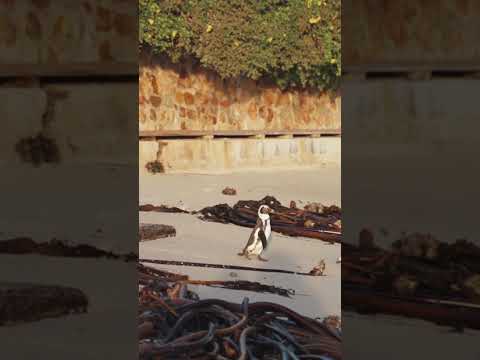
410	32
187	97
401	112
230	155
89	122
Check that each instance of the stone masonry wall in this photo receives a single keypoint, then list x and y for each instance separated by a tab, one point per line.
186	97
399	33
48	32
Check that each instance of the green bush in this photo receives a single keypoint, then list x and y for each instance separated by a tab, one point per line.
294	42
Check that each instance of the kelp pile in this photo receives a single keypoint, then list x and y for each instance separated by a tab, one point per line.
54	247
418	277
20	302
148	232
323	223
173	323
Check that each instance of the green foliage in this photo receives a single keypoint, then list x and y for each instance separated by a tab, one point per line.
294	42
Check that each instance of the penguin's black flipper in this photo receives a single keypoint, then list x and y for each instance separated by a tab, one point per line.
263	239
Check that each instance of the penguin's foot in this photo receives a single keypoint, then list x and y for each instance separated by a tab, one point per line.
261	258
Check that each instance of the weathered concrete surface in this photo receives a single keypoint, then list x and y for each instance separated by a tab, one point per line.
18	120
229	155
409	32
187	97
88	122
95	122
56	32
409	112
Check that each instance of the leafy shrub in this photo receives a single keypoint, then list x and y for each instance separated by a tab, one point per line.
294	42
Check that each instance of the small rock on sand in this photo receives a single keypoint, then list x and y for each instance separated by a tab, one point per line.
229	191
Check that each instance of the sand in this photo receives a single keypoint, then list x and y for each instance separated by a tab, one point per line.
71	203
85	337
76	203
108	330
398	338
105	332
365	336
207	242
198	191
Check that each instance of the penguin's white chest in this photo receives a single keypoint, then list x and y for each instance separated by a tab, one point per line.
268	230
257	247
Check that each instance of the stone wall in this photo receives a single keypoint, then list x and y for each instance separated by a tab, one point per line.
51	32
187	97
402	33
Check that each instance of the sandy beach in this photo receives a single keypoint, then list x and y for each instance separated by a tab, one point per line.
105	282
107	331
200	241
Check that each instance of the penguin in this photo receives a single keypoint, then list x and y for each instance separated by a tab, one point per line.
260	236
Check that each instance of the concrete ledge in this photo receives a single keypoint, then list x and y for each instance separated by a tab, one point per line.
89	123
404	112
233	155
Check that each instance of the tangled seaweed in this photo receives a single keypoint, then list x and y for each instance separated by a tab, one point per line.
419	277
175	324
288	221
30	302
